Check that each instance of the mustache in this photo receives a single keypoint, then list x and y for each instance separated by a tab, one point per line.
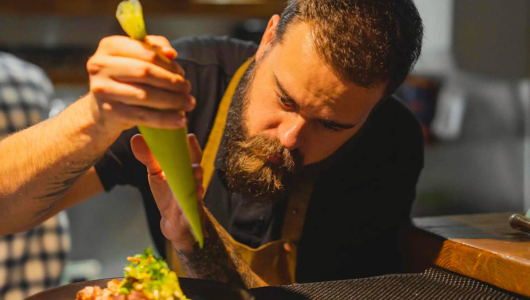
263	147
249	169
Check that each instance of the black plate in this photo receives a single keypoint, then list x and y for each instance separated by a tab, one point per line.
194	289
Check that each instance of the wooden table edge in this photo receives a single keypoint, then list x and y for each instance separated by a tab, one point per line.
424	249
493	268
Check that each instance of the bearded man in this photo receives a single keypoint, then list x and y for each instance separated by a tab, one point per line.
310	164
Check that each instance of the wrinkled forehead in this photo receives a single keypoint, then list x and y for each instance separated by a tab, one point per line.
299	69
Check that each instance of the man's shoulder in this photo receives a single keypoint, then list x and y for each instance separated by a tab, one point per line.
391	117
396	130
223	51
395	115
391	134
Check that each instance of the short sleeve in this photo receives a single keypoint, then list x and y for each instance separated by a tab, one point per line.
118	166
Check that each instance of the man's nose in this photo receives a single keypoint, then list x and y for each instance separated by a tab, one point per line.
289	131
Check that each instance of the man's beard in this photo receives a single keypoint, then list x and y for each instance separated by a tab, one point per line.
247	168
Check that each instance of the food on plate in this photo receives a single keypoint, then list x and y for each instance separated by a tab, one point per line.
146	278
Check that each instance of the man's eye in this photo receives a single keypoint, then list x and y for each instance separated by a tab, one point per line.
285	103
330	126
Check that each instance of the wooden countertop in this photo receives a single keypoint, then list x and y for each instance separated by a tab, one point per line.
482	247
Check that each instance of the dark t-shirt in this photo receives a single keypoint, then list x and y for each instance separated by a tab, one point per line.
360	201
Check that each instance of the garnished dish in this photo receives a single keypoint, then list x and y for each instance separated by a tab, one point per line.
146	278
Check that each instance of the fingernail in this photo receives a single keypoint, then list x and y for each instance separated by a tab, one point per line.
106	106
193	101
170	52
182	121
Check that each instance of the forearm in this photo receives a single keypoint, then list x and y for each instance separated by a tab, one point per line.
41	163
219	260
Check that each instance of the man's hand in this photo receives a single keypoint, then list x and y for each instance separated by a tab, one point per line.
174	225
131	83
134	83
219	259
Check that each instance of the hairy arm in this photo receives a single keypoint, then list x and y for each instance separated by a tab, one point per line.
41	164
130	85
218	260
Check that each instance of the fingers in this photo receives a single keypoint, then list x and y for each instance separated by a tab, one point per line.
198	175
173	223
139	116
141	95
125	47
132	70
162	44
195	149
196	156
159	41
142	153
157	180
135	83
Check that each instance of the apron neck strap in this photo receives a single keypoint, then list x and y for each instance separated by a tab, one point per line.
216	135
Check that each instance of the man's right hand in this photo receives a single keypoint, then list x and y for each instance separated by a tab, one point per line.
131	83
135	83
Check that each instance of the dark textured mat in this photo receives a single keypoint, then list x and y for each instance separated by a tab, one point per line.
434	284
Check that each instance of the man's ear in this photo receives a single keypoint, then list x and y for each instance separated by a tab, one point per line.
268	36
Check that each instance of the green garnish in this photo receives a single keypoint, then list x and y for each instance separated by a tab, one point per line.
151	276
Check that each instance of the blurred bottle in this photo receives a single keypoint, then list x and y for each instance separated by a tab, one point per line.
447	124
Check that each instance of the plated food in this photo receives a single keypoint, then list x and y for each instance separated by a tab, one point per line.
146	278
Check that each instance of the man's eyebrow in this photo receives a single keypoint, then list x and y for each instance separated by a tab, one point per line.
324	121
284	92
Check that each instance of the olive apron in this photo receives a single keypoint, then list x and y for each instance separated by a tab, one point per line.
274	262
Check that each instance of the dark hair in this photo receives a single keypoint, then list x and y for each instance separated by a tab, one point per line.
366	42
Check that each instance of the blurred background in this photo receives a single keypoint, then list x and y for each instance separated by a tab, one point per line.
469	91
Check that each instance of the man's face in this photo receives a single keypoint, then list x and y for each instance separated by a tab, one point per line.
295	111
297	99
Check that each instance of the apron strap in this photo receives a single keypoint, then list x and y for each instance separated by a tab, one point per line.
214	139
298	202
294	219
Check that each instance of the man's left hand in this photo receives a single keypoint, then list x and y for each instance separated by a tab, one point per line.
173	224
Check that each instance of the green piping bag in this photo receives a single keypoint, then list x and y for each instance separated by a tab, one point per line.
170	147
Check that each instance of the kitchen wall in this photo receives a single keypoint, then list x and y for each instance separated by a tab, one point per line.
53	31
480	169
